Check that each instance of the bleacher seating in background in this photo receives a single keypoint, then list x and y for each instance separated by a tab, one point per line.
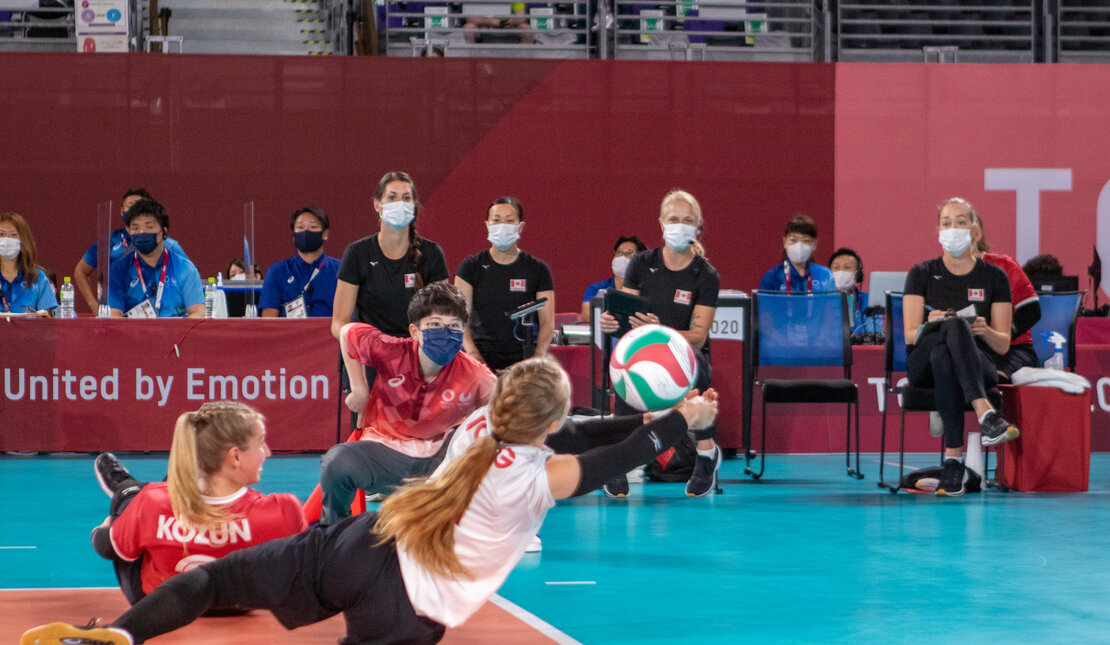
1000	31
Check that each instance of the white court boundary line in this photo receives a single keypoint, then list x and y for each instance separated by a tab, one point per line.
533	621
12	548
22	589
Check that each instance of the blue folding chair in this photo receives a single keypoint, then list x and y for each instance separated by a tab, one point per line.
913	399
1059	311
803	329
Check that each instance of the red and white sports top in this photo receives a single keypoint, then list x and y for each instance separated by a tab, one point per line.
148	529
490	539
405	412
1021	289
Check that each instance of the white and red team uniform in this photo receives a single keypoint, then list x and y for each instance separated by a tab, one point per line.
147	529
1022	292
405	412
504	515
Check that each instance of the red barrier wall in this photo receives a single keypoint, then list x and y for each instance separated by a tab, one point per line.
590	147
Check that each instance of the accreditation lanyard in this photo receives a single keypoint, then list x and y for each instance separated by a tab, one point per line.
161	280
315	272
786	272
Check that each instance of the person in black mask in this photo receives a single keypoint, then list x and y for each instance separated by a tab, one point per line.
303	285
152	280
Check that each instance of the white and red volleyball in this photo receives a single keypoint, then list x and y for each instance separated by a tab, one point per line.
652	367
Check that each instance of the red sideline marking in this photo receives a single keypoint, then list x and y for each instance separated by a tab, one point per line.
21	609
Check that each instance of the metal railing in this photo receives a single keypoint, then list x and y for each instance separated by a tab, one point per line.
982	30
765	30
1082	32
25	26
488	29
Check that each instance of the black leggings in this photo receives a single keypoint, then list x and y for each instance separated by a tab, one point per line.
958	371
301	579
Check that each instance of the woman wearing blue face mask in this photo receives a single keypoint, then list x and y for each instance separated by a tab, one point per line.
681	288
379	274
152	281
626	247
302	286
797	272
957	321
498	280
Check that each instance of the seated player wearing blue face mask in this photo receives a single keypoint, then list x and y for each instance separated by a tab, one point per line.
424	387
302	286
797	272
120	243
153	281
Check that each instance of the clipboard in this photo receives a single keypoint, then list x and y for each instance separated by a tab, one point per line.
622	305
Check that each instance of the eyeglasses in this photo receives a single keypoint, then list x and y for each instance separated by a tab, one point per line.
455	326
626	254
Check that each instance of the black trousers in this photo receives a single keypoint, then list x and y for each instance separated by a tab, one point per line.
302	579
950	362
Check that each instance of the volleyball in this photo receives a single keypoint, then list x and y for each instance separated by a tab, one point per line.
652	367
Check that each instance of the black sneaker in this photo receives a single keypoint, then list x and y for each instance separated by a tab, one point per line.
952	479
110	474
616	487
997	430
704	478
66	634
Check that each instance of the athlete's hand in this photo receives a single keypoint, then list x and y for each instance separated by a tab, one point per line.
937	314
980	326
699	411
356	402
641	319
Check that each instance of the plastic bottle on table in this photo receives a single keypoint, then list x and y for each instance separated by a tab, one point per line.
209	297
66	296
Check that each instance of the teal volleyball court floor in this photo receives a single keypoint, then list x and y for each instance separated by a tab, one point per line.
807	555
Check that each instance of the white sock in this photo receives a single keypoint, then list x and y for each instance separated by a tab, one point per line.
982	418
974	457
711	453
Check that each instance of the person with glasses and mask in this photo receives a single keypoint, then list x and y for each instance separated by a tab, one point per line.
626	247
153	281
302	286
424	387
797	272
497	281
957	313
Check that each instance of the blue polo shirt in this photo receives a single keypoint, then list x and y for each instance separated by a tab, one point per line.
121	244
21	296
183	286
286	280
592	290
775	278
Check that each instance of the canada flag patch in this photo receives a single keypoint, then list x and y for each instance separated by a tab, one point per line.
410	280
517	285
682	297
975	295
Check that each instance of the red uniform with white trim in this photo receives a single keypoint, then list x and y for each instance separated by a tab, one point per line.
505	513
1022	292
404	408
147	529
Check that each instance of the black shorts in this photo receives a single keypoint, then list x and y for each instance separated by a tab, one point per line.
325	570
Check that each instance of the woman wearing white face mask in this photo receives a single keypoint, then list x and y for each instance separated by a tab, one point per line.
24	287
499	280
623	250
681	288
847	273
966	302
379	274
797	272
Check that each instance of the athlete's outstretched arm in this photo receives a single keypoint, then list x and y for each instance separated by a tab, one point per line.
571	476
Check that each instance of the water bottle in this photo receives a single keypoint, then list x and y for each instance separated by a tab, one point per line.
219	309
67	309
1056	361
209	297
